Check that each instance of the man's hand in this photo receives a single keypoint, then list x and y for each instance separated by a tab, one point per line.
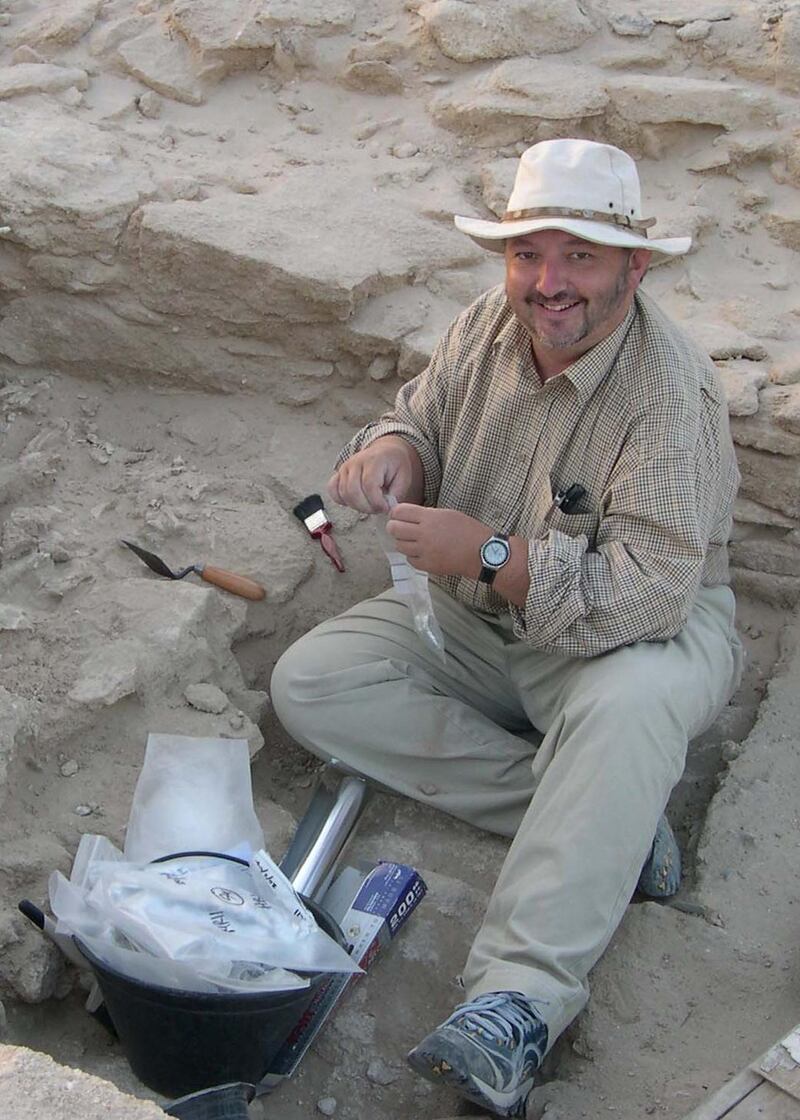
442	542
389	465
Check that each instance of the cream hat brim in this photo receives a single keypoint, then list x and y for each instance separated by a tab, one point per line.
493	235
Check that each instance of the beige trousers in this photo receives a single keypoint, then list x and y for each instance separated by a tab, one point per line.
582	808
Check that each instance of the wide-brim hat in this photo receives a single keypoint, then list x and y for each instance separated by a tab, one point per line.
581	187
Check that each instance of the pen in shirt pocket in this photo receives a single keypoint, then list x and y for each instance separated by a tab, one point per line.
566	500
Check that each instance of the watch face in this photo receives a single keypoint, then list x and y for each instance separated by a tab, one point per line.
495	553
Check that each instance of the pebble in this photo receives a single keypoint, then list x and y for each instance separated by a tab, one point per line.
366	130
327	1106
69	768
13	617
236	720
206	698
379	1073
731	750
404	151
636	24
149	104
695	31
83	810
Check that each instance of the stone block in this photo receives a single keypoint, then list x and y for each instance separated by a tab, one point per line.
782	592
497	182
741	381
242	262
785	401
109	674
74	274
65	185
163	63
416	348
148	633
764	553
387	319
784	228
16	729
219	26
58	25
515	97
762	431
43	78
786	371
747	512
373	77
646	99
279	827
786	60
33	1086
723	341
770	479
678	13
112	32
470	32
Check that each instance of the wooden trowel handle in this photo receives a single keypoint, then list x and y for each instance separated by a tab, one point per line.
229	581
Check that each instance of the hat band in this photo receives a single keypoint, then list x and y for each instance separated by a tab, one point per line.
640	224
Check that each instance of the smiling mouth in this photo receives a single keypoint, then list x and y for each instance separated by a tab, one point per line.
557	308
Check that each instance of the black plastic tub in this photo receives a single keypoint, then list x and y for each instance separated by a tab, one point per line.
179	1042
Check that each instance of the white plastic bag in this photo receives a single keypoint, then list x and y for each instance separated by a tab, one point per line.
192	795
196	923
412	585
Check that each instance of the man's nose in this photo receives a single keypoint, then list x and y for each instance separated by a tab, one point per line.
550	280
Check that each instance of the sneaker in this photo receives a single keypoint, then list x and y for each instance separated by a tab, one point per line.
488	1050
661	875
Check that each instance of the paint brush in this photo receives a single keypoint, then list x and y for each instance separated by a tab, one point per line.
312	513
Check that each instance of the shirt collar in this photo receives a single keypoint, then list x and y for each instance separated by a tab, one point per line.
595	365
589	370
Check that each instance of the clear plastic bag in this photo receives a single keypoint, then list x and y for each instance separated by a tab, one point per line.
197	923
412	585
193	794
225	921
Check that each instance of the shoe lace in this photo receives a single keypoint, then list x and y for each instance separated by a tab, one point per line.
501	1018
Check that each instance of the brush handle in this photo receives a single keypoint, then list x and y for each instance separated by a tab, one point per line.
230	581
330	549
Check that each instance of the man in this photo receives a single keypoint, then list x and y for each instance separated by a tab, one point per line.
565	471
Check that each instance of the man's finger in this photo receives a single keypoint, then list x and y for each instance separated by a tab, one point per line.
406	511
402	530
333	489
351	487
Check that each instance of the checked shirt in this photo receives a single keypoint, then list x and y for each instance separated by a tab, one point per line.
640	422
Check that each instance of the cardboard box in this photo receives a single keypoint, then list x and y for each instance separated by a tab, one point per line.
371	906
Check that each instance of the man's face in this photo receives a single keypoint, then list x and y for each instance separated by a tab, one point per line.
569	293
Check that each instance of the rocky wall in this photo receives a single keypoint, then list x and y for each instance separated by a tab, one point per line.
257	195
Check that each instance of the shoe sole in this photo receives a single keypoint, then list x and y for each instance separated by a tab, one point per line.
436	1068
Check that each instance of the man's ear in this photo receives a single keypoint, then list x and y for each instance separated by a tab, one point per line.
638	264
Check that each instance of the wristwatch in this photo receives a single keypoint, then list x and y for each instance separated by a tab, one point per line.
494	554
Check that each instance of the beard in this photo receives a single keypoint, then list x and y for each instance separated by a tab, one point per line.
589	315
